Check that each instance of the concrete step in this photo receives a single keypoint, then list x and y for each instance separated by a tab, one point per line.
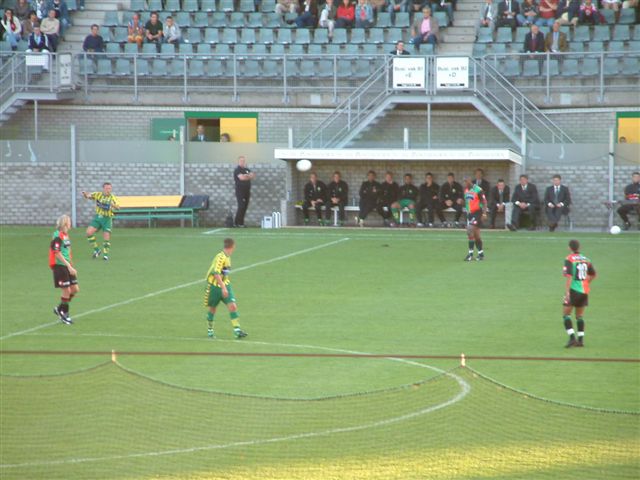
459	30
455	48
469	6
453	38
470	22
466	14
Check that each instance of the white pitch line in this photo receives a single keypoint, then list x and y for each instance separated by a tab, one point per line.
177	287
465	388
211	232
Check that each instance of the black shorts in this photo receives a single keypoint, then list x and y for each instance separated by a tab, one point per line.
62	278
474	219
577	299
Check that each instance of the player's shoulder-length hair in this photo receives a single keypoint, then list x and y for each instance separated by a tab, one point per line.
63	221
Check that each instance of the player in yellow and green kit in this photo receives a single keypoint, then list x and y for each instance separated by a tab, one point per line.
476	206
106	204
579	273
219	289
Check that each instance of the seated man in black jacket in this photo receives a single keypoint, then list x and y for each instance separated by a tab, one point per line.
556	202
452	196
315	195
388	196
337	196
430	199
498	199
369	195
525	200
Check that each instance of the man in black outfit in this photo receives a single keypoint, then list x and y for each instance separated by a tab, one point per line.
388	195
481	182
338	196
242	177
315	195
498	199
369	194
632	200
430	199
452	196
556	200
525	200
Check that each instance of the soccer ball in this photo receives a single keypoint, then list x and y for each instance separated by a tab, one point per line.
615	230
303	165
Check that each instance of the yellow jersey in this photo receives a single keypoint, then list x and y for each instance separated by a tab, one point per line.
105	204
221	265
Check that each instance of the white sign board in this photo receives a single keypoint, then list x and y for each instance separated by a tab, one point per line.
65	70
409	72
452	72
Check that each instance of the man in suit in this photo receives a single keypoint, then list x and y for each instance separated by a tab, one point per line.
507	12
480	181
489	15
199	136
556	200
556	41
534	40
399	50
498	199
525	200
425	29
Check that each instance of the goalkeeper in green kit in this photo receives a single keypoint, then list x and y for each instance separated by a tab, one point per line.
219	289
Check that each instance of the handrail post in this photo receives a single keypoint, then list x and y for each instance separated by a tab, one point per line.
185	95
335	79
284	79
86	76
235	78
513	113
601	97
51	58
135	77
548	79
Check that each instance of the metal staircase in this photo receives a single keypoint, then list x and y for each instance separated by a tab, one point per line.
489	92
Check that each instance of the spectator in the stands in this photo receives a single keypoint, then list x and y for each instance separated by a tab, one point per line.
443	6
12	28
416	5
528	13
29	23
94	41
153	30
41	8
308	14
507	13
286	6
50	26
399	50
425	29
568	12
488	14
364	14
62	14
534	40
556	41
22	10
345	15
589	13
225	138
548	10
171	32
38	41
395	6
328	17
135	33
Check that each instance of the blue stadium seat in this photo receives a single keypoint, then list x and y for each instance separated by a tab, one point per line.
622	33
321	36
246	6
241	51
554	69
190	6
576	47
142	67
176	68
226	5
291	68
485	35
426	49
222	51
324	69
112	49
196	68
581	34
357	36
229	36
611	67
627	16
167	49
208	5
376	35
369	51
314	49
307	68
297	49
590	67
155	5
119	35
636	33
531	68
172	5
268	6
511	68
193	35
236	20
634	46
204	50
138	5
216	68
362	68
219	20
85	66
402	19
149	48
104	67
442	18
272	20
126	17
303	36
259	50
271	69
254	20
631	66
248	35
617	47
601	33
504	35
201	20
479	49
129	48
569	68
211	35
496	48
609	15
265	35
334	49
521	32
383	20
344	69
284	36
72	5
352	50
111	19
596	46
339	36
185	48
183	19
251	69
276	49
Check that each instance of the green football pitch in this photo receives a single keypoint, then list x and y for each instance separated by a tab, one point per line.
351	369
